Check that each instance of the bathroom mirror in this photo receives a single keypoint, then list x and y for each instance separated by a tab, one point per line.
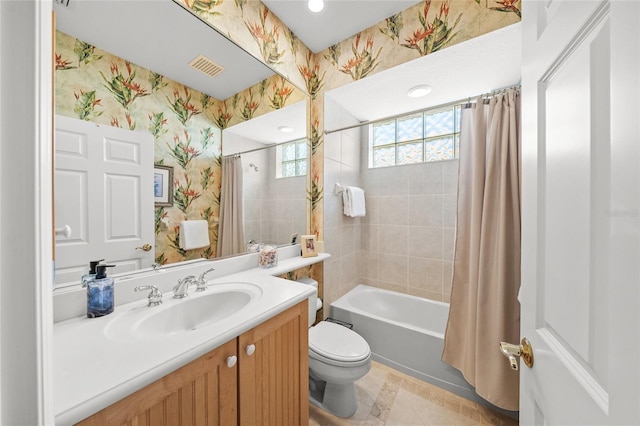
118	29
273	150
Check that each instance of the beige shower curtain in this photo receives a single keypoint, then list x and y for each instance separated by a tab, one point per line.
484	308
231	224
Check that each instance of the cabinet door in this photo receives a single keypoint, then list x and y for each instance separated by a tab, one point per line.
203	392
274	379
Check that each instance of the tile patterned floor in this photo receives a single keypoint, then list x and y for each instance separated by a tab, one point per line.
389	397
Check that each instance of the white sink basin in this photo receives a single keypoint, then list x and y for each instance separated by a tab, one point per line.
176	316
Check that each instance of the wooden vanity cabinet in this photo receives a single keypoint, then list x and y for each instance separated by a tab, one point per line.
202	392
274	370
268	383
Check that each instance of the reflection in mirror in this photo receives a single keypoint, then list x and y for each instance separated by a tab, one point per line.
273	150
116	70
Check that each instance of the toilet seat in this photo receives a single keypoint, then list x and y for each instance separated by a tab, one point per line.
337	345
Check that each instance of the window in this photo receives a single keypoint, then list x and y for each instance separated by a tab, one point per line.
416	138
292	159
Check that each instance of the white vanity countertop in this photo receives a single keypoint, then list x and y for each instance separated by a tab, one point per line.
92	369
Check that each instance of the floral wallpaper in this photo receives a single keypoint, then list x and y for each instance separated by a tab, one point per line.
422	29
269	95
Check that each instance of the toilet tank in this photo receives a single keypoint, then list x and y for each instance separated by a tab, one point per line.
313	300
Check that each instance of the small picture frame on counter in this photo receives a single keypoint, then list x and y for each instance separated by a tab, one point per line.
308	243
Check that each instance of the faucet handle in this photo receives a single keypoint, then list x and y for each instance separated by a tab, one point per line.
201	284
155	297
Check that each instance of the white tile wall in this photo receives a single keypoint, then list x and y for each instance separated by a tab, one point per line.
410	234
405	242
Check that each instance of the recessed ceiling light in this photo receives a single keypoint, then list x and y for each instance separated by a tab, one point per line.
285	129
315	5
419	91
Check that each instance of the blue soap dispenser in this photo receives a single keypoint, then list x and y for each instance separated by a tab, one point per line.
91	275
100	293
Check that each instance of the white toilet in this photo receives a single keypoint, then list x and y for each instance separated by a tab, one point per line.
338	357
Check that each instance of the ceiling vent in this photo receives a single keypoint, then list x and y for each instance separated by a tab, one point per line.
206	65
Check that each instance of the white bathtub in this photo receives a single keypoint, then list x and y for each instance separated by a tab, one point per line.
406	333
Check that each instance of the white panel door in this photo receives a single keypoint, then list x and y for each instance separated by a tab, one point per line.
104	193
581	212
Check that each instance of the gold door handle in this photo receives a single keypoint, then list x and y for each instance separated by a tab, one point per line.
523	350
145	247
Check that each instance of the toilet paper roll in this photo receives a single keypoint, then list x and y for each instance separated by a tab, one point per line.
318	304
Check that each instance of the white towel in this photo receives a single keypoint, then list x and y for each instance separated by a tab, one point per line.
353	200
194	234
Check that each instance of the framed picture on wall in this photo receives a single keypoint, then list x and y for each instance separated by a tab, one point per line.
162	185
308	243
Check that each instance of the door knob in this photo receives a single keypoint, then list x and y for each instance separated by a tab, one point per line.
523	350
145	247
65	231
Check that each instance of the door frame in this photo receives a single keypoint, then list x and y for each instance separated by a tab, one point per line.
26	246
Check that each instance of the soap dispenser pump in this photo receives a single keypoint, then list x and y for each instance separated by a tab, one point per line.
100	293
91	275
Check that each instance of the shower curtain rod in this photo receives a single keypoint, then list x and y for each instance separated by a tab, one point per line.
458	102
263	147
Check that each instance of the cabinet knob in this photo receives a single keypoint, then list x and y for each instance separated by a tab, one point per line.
250	349
231	361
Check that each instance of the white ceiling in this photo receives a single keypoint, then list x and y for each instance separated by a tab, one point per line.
467	69
163	37
339	20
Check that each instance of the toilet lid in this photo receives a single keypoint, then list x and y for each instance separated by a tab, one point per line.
336	342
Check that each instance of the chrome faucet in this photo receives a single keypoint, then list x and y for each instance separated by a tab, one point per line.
200	282
181	289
